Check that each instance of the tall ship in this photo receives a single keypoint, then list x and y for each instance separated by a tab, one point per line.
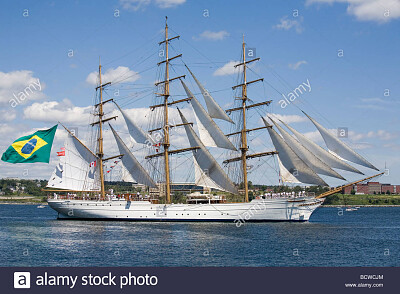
77	185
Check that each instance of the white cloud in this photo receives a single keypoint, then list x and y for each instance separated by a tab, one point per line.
7	114
227	69
314	136
135	5
373	100
376	103
370	106
297	65
393	146
8	130
121	73
382	135
286	24
289	118
54	111
361	145
368	10
14	82
169	3
212	36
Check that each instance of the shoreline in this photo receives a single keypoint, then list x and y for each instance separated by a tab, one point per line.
359	205
328	205
23	203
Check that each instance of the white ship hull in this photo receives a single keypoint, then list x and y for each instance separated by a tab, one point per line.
276	209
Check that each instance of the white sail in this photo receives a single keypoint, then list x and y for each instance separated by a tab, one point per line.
321	153
210	134
293	163
125	175
203	180
206	161
213	108
339	148
132	164
134	130
312	161
285	175
77	170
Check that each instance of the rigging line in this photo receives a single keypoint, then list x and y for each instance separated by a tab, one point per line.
138	93
135	74
277	75
222	62
122	105
290	88
183	39
136	49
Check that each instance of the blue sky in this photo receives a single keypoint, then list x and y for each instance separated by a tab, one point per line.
296	40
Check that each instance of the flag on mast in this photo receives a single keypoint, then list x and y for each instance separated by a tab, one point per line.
31	148
62	152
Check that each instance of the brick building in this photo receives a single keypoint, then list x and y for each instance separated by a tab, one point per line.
373	188
387	187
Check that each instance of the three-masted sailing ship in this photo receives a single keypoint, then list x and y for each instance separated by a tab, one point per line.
80	171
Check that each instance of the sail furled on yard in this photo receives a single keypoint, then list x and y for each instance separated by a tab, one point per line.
210	134
135	131
213	108
338	148
77	169
312	161
202	179
292	162
321	153
206	161
131	164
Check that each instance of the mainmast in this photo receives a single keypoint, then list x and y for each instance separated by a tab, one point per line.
166	126
166	103
243	131
244	147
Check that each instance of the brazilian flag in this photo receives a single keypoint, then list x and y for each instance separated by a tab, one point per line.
31	148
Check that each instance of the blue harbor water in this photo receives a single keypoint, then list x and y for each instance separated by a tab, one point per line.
30	236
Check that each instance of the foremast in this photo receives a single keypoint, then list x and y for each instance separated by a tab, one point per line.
100	114
100	153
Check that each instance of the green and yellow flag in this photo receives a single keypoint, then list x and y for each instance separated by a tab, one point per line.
31	148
